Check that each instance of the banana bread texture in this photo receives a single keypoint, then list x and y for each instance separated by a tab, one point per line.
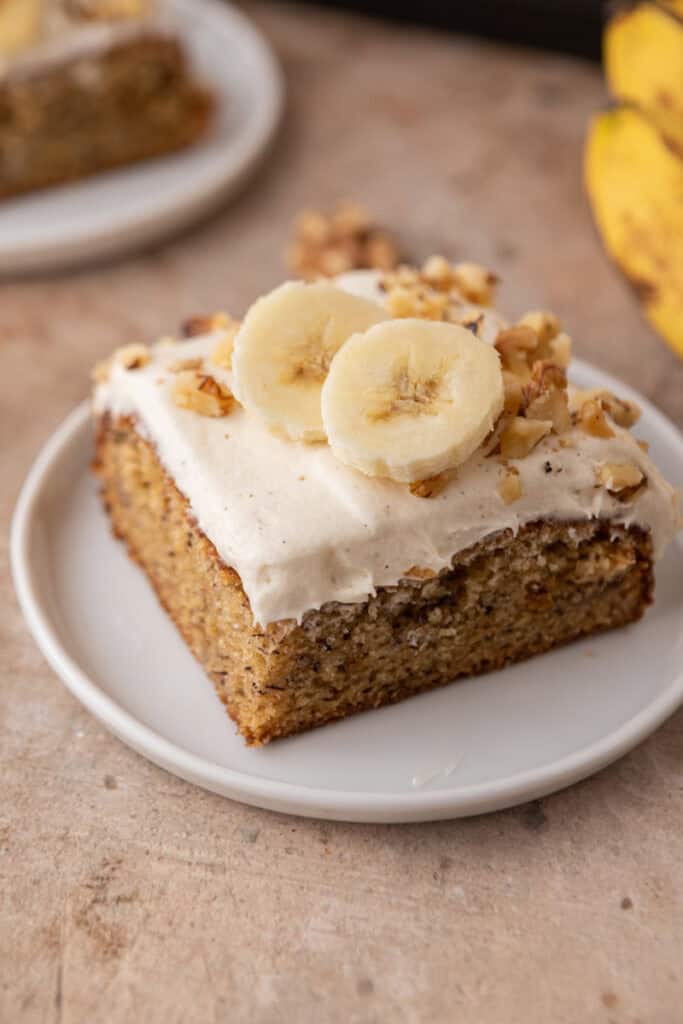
503	600
91	113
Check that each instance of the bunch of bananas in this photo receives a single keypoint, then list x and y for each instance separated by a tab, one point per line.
634	158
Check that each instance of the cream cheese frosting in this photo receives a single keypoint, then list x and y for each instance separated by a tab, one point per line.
301	529
62	37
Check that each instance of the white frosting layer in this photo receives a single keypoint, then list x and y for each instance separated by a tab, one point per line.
301	529
64	38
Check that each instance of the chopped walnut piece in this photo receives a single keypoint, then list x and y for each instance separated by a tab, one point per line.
380	252
345	240
643	445
623	412
510	487
417	302
474	282
420	574
313	227
567	442
202	394
432	486
551	406
545	397
622	479
544	324
516	345
561	350
403	276
185	364
592	419
520	436
535	336
132	357
438	272
513	393
195	326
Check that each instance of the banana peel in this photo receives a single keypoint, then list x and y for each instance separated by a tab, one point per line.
643	56
635	184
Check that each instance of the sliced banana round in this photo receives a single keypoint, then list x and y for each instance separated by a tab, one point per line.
284	348
409	399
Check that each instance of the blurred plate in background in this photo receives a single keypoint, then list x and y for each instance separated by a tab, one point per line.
125	209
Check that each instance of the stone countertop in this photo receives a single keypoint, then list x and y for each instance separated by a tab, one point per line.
128	895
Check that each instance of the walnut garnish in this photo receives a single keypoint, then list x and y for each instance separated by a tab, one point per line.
516	347
420	574
202	394
624	412
622	479
514	394
643	445
592	419
438	272
561	350
545	325
520	436
510	487
345	240
132	357
475	283
535	336
129	357
185	364
432	486
195	326
422	303
545	396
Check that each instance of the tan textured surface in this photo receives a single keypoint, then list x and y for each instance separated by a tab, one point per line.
127	895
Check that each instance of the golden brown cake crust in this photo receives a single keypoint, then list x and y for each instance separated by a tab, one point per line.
503	600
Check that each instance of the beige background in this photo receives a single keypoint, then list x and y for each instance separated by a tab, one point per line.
127	895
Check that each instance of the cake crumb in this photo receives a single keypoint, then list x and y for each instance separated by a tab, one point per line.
510	487
432	486
420	574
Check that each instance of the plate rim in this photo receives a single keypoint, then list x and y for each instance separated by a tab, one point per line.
293	798
160	221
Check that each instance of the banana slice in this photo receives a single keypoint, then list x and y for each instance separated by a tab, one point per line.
284	348
410	398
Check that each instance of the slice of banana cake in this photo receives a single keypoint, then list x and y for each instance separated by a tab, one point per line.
371	487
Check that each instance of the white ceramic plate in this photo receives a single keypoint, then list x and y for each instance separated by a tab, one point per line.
475	746
135	206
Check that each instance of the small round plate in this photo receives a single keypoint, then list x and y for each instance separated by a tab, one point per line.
476	746
135	206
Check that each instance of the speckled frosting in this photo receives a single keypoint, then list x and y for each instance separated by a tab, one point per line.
301	529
